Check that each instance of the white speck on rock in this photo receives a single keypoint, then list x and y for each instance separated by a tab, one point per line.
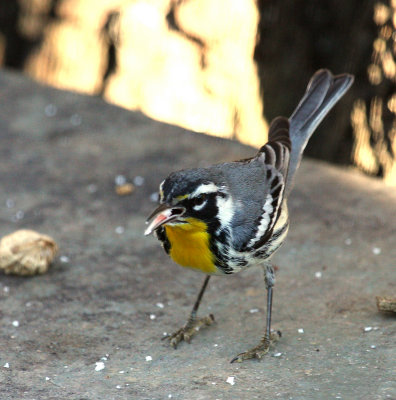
118	387
215	345
231	380
154	197
149	358
47	378
92	188
368	328
160	305
10	203
6	365
19	215
138	180
64	259
75	119
120	180
318	275
376	251
99	366
277	354
153	316
300	330
373	346
253	310
6	289
50	110
119	230
15	323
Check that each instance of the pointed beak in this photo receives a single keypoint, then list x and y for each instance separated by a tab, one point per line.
162	215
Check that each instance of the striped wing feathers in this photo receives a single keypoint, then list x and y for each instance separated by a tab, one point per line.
275	155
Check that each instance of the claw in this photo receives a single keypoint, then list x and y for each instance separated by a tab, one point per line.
259	351
189	330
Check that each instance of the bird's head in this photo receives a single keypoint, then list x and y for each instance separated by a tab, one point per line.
187	196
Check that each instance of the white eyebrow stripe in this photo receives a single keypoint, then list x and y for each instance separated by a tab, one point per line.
161	191
205	188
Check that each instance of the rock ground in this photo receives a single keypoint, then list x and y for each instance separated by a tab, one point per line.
112	292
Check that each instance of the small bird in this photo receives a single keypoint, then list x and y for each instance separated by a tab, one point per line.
231	216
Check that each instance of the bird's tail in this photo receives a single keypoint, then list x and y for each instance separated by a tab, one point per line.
323	92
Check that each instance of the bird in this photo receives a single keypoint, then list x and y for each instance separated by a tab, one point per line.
228	217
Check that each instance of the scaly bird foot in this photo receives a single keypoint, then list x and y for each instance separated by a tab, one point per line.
189	330
259	351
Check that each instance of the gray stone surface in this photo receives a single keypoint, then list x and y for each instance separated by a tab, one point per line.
60	170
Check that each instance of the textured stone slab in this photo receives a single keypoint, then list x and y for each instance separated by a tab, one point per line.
112	293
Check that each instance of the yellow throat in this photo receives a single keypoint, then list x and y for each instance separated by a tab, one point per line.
190	245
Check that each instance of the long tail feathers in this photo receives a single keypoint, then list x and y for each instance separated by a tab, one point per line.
323	92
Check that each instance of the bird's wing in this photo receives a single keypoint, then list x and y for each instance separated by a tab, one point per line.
271	165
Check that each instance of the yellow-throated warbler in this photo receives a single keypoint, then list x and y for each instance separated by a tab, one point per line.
228	217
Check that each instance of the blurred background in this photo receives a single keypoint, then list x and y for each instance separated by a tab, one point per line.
223	67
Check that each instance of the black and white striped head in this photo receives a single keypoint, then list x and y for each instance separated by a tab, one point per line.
195	193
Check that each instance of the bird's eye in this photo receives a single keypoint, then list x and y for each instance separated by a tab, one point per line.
199	200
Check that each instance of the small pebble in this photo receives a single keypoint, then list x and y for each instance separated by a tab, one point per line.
65	366
121	372
169	396
368	328
253	310
118	387
15	323
6	365
300	330
6	289
373	346
47	378
318	275
160	305
277	354
231	380
376	251
99	366
149	358
104	358
138	180
215	345
153	316
165	334
348	241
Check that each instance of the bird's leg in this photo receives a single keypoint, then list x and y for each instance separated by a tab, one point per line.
193	324
269	337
